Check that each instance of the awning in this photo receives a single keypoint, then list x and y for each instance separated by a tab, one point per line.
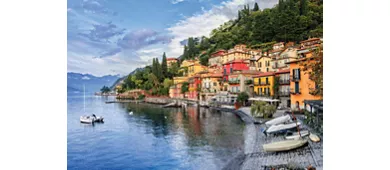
263	99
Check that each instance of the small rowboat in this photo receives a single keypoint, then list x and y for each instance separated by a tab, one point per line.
296	135
284	145
278	120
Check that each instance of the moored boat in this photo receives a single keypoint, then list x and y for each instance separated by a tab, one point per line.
282	127
314	137
296	135
87	119
279	120
284	145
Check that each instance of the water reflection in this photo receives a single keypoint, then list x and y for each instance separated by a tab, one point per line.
152	137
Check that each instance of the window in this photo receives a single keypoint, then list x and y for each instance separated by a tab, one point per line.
231	70
260	64
224	71
215	84
267	69
296	87
266	80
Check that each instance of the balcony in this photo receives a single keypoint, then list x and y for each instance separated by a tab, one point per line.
247	82
284	94
295	91
284	81
234	81
264	83
295	78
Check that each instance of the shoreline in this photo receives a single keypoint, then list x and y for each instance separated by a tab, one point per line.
254	156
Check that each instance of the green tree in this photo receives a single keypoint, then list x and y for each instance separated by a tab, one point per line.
242	97
173	70
262	109
314	68
256	7
167	83
105	89
164	66
184	87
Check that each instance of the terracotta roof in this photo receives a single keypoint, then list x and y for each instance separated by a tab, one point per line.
311	39
283	71
265	74
168	59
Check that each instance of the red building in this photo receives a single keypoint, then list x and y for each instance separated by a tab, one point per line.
231	66
194	87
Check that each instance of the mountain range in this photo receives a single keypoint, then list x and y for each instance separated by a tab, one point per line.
76	82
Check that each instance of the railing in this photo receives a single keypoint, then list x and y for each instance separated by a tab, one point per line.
295	78
284	81
248	82
295	92
234	81
284	94
264	83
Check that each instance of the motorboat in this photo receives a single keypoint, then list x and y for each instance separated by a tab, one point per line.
91	119
278	120
282	127
131	113
284	145
296	135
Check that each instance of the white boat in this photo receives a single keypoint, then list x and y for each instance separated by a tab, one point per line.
87	119
284	145
296	135
131	113
281	127
314	137
279	120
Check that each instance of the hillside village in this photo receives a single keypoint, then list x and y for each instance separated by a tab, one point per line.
280	73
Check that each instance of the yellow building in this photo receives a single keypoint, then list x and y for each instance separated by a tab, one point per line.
264	84
238	52
301	86
191	67
177	80
264	64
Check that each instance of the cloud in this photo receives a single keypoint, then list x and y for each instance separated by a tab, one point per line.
202	24
103	32
94	6
176	1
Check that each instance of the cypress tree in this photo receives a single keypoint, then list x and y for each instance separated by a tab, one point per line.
256	8
164	66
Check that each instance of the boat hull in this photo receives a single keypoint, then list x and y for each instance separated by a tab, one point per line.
284	145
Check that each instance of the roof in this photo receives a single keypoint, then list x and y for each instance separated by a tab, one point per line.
254	72
235	61
262	57
265	74
283	71
168	59
311	39
297	60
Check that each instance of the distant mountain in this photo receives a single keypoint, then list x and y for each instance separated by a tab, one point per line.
120	80
76	82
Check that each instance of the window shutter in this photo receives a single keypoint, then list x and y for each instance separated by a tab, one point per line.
299	74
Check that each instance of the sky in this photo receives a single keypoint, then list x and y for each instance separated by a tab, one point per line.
111	37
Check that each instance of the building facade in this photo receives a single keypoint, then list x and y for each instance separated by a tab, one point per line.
264	84
284	87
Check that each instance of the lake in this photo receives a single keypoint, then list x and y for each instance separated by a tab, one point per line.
151	138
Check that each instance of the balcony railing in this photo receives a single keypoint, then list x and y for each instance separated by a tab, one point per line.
284	94
234	81
264	83
284	81
295	78
295	91
248	82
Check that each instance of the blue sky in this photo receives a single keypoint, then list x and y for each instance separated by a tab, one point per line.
117	36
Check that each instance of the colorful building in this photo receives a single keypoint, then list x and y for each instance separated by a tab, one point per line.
216	58
284	87
242	81
231	66
239	52
170	61
264	64
264	84
191	67
194	87
175	91
288	54
311	42
300	86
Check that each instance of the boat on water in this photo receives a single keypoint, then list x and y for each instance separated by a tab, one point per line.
296	135
279	120
282	127
91	119
284	145
131	113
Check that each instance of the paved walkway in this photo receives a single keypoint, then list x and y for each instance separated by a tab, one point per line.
254	156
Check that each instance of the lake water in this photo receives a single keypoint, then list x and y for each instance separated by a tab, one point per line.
151	138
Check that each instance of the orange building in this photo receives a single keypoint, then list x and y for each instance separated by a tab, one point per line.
301	85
